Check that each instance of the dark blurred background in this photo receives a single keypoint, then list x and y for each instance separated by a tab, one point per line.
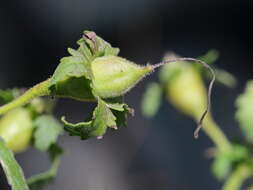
149	154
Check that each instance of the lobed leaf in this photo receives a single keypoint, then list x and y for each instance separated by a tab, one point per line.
210	57
102	118
47	130
8	95
151	100
224	162
221	167
244	105
11	168
106	114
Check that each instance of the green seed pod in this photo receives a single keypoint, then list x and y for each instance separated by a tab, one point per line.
114	76
185	89
95	69
16	129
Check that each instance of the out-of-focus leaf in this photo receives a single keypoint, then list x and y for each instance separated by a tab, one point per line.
225	161
221	167
210	57
42	105
11	168
8	95
223	77
40	180
151	100
244	113
47	130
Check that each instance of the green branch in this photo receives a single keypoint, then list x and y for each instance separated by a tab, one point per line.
236	179
40	89
214	132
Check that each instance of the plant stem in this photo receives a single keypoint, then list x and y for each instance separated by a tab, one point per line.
216	134
236	179
40	89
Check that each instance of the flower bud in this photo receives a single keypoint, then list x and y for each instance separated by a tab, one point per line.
114	76
185	88
16	129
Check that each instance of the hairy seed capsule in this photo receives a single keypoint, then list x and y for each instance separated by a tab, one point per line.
16	129
114	76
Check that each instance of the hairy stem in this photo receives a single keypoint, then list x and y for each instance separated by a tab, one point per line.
236	179
40	89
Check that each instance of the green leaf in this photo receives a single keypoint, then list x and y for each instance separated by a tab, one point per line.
81	129
210	57
221	166
71	80
8	95
151	100
244	105
225	161
47	130
121	116
116	106
107	114
72	77
102	118
40	180
11	168
75	53
85	51
223	77
120	110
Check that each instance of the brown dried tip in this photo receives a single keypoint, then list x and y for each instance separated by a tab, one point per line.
91	36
